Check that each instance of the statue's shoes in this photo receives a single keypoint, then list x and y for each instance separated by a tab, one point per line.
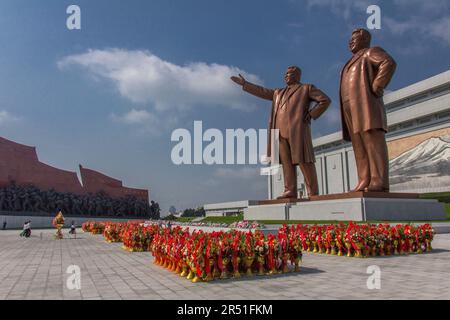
362	186
376	189
287	195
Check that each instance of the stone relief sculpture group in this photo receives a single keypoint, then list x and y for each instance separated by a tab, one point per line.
15	198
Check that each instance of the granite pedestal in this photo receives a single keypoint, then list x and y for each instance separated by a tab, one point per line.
356	206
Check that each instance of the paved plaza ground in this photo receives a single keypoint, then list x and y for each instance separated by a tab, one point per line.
36	268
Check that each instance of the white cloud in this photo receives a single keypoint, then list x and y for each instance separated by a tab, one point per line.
144	122
432	22
437	29
135	117
342	8
142	77
7	118
428	7
440	29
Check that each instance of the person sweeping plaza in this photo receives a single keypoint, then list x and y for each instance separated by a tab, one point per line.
73	229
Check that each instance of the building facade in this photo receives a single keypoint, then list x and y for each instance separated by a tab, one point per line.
20	165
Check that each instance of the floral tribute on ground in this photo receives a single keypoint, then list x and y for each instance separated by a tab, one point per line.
200	256
366	240
113	231
137	237
93	227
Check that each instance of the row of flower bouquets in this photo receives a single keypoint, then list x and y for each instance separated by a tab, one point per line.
200	256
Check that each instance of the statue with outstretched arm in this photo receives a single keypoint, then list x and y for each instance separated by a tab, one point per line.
291	115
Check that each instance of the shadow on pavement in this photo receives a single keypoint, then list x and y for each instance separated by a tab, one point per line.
303	271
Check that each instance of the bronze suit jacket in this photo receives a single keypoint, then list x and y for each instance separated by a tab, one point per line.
368	69
296	104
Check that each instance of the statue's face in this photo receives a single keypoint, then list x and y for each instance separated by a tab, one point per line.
291	76
357	42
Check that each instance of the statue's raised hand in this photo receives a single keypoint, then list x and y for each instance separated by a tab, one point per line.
239	80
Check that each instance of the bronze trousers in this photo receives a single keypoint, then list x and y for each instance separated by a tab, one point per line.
371	155
290	175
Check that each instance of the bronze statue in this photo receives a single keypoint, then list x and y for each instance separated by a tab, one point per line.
364	122
291	114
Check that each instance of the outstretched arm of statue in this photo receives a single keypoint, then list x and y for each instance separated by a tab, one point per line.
385	66
254	89
323	102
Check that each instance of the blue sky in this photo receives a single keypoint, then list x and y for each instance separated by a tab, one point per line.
110	95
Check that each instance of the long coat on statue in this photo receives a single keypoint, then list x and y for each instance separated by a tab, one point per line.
368	68
297	104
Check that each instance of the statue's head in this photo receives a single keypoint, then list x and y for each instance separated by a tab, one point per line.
360	39
293	75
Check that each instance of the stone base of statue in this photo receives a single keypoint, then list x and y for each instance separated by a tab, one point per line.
353	206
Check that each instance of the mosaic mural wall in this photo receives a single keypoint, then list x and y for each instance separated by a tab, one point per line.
421	163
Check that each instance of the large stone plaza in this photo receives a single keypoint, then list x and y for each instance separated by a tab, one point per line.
36	268
187	153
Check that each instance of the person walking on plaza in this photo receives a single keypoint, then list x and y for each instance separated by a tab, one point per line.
24	229
4	225
73	229
26	232
28	229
